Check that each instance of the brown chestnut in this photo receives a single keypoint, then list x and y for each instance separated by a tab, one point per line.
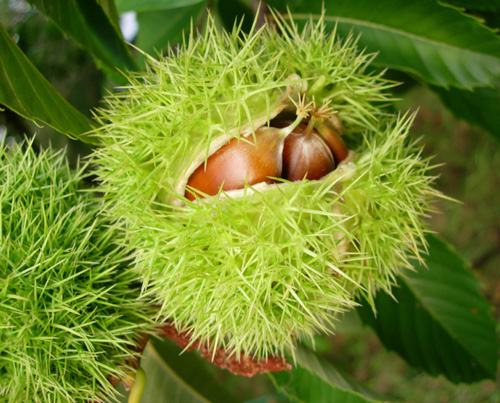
290	150
252	160
333	139
306	155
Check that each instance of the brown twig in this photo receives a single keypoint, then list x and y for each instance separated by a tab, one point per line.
239	363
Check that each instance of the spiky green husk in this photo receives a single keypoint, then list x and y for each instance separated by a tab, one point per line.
70	316
217	85
255	272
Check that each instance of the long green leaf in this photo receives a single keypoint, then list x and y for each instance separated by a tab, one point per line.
152	5
158	29
487	5
109	7
172	377
316	380
437	43
88	24
24	90
480	107
440	322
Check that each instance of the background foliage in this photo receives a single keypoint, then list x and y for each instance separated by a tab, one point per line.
59	57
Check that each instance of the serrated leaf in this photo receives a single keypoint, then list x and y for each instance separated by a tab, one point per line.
153	5
24	90
88	24
437	43
485	5
158	29
480	107
492	19
316	380
172	377
440	322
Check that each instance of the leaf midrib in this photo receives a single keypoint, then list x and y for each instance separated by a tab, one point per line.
435	316
173	374
392	30
30	82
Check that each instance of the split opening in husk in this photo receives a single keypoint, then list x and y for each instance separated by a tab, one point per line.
300	141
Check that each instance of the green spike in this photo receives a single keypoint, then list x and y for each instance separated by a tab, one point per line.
70	313
259	269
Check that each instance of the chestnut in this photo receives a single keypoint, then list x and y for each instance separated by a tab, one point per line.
306	155
239	162
329	133
290	150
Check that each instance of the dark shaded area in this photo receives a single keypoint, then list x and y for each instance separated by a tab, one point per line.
70	69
